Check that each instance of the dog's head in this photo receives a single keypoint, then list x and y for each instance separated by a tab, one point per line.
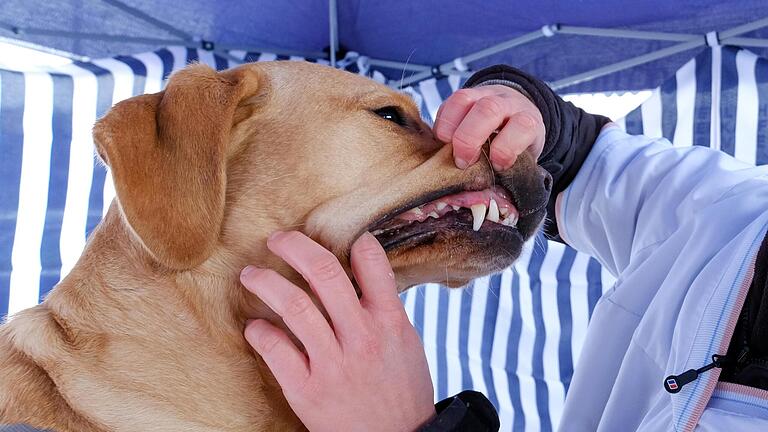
207	169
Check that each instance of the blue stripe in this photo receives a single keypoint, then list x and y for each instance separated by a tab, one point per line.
668	95
761	77
489	334
466	308
634	122
702	112
221	62
12	144
564	313
166	57
513	342
139	73
542	392
50	251
418	310
442	331
192	55
443	88
728	99
594	284
251	57
104	93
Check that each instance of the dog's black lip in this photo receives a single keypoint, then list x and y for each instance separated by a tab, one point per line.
429	197
419	238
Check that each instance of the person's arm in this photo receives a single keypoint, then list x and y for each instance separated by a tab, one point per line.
529	117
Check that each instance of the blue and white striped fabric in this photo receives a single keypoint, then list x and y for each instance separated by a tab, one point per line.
514	336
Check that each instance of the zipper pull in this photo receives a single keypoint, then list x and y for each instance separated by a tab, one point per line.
674	383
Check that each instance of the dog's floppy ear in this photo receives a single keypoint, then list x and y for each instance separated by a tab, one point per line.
167	152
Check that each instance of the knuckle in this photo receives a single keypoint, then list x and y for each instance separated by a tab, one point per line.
526	121
370	252
326	268
463	96
490	106
297	305
266	343
463	141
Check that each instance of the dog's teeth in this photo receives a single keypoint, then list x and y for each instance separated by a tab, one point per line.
503	211
455	207
493	211
478	216
433	215
512	220
377	232
417	211
441	205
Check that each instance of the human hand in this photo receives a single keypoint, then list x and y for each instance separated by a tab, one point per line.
469	116
366	370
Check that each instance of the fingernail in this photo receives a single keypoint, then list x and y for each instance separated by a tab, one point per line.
461	163
247	272
248	322
497	167
276	235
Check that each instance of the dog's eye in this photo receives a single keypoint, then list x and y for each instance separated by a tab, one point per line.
390	113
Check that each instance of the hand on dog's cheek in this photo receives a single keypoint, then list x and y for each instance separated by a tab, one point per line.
468	117
366	371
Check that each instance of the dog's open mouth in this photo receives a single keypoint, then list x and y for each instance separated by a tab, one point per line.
463	212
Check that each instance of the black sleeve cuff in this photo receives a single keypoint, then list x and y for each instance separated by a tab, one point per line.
571	131
467	411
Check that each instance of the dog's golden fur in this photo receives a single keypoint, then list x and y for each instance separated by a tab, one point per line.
145	333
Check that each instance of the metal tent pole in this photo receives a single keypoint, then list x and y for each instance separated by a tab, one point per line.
746	42
446	68
624	34
333	30
745	28
399	65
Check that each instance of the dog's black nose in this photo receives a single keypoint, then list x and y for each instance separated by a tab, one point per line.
546	179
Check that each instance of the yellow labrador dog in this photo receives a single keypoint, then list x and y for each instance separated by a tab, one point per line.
145	333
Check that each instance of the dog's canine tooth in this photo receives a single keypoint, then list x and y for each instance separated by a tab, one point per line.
455	207
478	216
493	211
441	205
504	211
512	220
433	215
416	211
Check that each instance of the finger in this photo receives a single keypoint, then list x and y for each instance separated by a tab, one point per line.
325	276
374	275
481	121
520	133
452	112
295	308
289	366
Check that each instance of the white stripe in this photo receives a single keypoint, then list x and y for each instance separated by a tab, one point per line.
206	57
651	113
549	306
579	304
453	361
267	57
409	302
747	108
686	95
431	96
430	329
608	280
525	349
714	112
33	191
498	361
475	334
154	65
81	159
454	81
622	122
123	89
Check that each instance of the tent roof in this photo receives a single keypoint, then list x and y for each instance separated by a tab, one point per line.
426	32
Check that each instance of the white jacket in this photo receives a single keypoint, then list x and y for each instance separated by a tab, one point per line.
680	228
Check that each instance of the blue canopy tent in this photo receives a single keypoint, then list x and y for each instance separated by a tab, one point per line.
516	335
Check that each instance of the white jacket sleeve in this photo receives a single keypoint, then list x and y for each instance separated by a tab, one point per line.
633	192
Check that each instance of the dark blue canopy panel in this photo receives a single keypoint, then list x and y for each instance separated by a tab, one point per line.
426	32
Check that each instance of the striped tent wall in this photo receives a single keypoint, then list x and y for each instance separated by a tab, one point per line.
514	335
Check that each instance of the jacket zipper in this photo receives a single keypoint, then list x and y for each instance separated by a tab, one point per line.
674	383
